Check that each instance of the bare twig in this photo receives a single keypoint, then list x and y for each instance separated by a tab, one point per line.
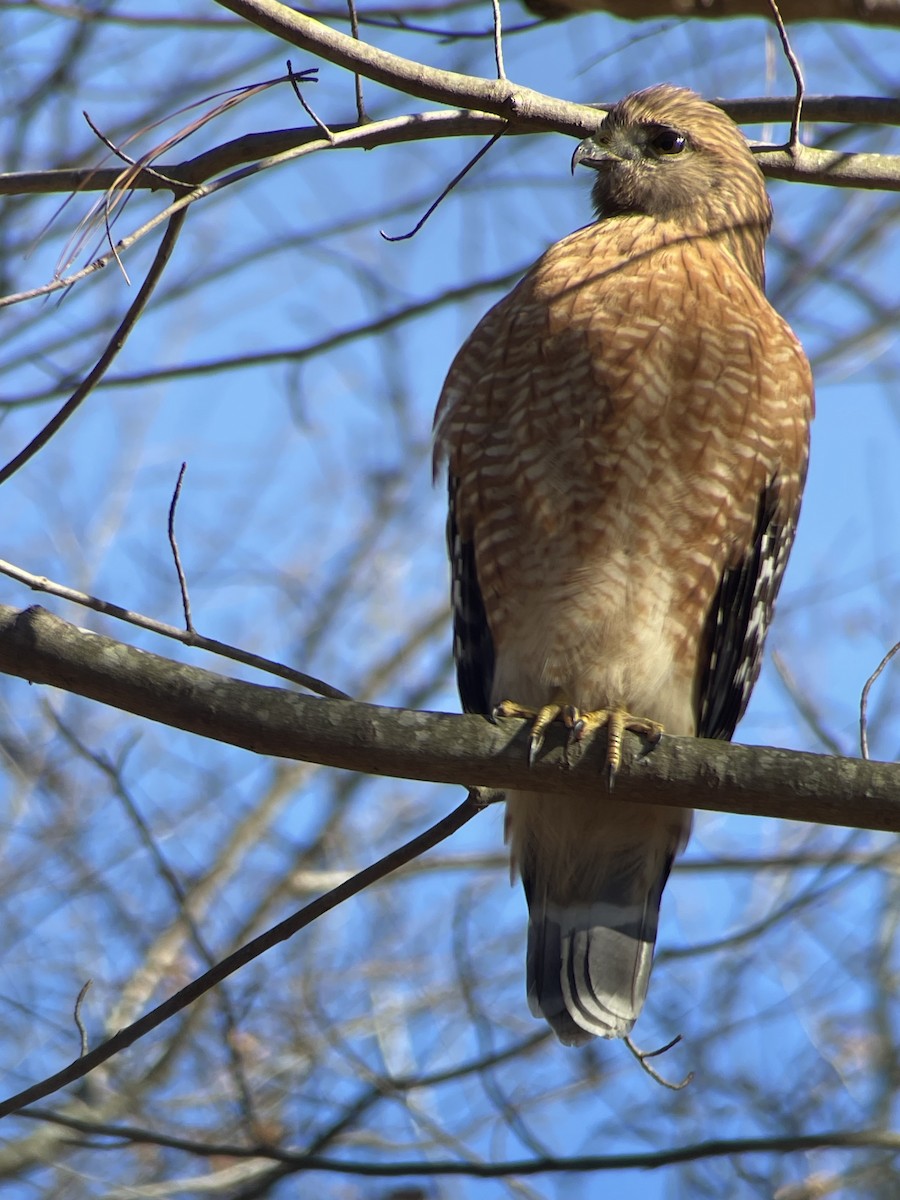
113	346
438	832
643	1055
402	237
361	115
794	63
143	163
107	207
864	701
396	129
173	542
76	1014
498	96
498	39
887	1140
122	186
167	873
574	120
307	108
39	583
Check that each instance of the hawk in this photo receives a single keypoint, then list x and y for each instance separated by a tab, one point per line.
626	439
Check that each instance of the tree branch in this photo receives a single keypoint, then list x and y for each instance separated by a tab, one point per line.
440	747
497	96
870	12
858	170
285	929
641	1160
187	637
832	168
113	346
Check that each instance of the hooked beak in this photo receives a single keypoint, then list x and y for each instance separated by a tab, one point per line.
590	154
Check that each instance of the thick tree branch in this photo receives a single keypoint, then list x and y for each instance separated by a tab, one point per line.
868	12
520	106
441	747
497	96
832	168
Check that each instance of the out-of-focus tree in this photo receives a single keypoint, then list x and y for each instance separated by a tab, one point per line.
292	357
874	12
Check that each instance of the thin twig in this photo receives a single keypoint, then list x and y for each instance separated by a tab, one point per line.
107	206
79	1024
643	1055
864	701
498	39
40	583
161	177
438	832
110	199
307	108
402	237
182	907
794	63
343	1165
123	185
173	542
113	346
361	115
442	32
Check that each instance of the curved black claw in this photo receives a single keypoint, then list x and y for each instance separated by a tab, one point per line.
574	722
535	744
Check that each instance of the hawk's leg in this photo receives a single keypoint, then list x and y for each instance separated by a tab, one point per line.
616	720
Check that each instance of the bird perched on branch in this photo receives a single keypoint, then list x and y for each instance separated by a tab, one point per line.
626	436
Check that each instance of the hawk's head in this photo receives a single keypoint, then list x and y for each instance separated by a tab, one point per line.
666	153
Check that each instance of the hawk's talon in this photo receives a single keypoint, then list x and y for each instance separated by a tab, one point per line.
509	708
615	720
534	749
654	736
540	719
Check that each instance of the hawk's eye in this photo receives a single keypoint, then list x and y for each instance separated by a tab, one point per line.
668	141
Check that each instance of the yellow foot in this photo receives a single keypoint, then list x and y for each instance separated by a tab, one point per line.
616	721
540	719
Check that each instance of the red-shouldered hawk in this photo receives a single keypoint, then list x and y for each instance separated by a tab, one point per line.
626	434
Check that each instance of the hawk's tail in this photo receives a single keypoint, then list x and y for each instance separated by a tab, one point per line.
592	929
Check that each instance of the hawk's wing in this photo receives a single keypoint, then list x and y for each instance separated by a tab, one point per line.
739	618
473	646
